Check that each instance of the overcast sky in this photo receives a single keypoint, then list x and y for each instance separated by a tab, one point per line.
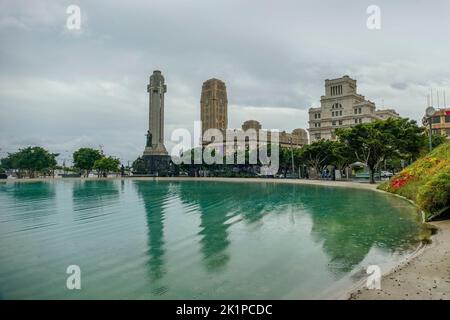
65	89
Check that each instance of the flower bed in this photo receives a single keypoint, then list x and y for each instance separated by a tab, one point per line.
426	181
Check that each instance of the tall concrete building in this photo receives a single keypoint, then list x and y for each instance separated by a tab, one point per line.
214	105
155	134
155	157
342	107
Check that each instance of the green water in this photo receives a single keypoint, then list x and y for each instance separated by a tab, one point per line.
195	240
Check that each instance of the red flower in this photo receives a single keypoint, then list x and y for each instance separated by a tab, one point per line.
400	181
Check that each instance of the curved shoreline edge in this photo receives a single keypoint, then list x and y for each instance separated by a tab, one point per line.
423	274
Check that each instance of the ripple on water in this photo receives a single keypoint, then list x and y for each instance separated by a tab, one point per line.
159	240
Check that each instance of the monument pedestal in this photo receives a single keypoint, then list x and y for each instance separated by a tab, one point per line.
155	164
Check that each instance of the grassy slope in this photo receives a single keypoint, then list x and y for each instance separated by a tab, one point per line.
408	182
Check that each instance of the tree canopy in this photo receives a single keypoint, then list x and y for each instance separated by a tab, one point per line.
105	165
30	160
84	159
377	141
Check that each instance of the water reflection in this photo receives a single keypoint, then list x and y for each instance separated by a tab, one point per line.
94	199
154	195
222	204
214	207
28	193
31	204
349	224
195	240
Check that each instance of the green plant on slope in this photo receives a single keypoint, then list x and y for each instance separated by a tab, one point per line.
434	196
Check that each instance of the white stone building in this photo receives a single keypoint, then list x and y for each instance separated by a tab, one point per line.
342	107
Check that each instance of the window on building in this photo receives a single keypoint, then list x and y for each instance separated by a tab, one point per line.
436	119
332	114
356	120
359	110
340	122
319	115
360	120
334	123
340	113
335	90
447	118
356	110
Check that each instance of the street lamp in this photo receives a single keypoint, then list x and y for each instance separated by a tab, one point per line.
429	112
292	155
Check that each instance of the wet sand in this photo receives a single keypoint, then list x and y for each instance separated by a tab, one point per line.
426	276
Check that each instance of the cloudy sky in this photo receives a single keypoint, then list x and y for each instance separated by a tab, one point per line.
64	89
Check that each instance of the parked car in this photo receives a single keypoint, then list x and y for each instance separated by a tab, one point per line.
386	174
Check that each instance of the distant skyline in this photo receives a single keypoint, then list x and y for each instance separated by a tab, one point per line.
64	89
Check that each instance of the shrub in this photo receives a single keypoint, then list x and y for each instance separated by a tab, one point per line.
434	196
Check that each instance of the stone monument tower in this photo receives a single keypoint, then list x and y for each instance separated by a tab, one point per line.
155	156
155	134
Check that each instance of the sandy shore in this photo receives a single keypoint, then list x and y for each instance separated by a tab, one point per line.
344	184
424	276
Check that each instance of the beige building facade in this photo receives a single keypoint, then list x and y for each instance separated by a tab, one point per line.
214	105
341	107
440	122
297	138
251	136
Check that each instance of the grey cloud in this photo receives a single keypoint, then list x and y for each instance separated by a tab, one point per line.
90	88
399	85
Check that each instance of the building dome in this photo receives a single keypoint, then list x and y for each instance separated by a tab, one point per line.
251	124
300	132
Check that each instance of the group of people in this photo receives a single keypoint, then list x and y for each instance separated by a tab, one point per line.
327	174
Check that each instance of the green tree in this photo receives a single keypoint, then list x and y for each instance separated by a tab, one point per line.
84	159
436	140
342	155
285	161
317	154
105	165
368	143
383	140
138	165
406	137
30	160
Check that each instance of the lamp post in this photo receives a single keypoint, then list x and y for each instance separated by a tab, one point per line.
429	112
292	156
